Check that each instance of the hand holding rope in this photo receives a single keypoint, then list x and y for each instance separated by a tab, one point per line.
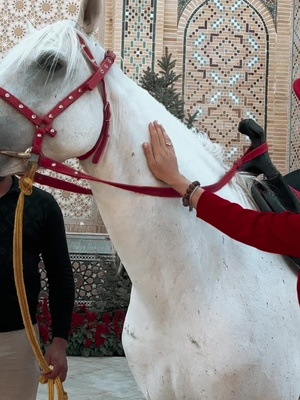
25	184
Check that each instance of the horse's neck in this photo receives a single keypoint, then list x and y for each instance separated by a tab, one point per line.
143	228
132	110
158	240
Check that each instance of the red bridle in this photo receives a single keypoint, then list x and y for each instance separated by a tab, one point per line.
43	126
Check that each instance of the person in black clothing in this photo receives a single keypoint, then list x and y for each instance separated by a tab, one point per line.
43	237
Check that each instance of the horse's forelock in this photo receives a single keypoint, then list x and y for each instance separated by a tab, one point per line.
60	39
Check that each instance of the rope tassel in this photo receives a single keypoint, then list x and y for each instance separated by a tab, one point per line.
26	184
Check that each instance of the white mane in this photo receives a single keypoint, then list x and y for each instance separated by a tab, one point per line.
242	179
215	149
59	39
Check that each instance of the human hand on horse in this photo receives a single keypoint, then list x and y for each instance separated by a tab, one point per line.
162	162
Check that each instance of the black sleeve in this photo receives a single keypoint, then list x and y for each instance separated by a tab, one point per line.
59	271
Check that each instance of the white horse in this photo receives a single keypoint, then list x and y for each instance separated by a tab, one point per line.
209	318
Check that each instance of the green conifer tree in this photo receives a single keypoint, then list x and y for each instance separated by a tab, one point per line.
161	86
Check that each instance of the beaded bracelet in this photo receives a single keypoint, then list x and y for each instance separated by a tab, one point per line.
186	200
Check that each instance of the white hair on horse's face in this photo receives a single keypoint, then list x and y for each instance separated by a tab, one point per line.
50	46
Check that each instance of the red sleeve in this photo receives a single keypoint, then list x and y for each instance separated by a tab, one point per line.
267	231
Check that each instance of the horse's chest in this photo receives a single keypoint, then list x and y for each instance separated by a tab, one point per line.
185	356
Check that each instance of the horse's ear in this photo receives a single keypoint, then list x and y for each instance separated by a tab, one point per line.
89	14
30	27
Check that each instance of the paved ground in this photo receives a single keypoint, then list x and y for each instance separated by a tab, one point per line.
98	378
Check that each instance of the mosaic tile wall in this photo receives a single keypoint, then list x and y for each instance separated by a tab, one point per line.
13	15
271	5
225	69
138	36
294	148
227	52
98	282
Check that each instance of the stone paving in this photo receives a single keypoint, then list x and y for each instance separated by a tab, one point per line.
98	378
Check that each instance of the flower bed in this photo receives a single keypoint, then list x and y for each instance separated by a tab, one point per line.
92	334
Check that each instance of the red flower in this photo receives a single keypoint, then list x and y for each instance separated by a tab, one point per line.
90	326
77	320
48	320
45	308
106	320
83	308
39	318
100	335
44	334
118	323
90	330
91	316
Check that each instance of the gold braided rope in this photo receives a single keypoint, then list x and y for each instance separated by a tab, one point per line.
25	184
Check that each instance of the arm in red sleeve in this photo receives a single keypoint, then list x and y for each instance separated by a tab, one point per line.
267	231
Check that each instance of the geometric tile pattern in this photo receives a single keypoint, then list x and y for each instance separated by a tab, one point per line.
14	13
294	156
138	36
225	70
271	5
97	281
90	274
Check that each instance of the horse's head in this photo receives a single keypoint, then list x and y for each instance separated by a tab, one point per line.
41	75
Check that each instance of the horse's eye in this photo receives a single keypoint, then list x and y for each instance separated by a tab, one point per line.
49	63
